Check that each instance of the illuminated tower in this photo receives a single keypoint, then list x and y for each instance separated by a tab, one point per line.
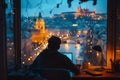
40	33
40	24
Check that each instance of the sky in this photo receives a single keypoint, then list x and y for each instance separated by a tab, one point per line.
33	7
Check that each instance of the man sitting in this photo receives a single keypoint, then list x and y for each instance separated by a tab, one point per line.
51	59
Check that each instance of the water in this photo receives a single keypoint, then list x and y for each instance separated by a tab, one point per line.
75	49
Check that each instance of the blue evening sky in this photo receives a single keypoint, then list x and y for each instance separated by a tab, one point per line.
33	7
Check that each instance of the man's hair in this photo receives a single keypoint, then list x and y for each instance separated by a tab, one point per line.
54	42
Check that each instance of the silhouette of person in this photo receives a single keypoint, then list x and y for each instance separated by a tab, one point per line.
51	58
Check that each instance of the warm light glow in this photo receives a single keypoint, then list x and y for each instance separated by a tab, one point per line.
68	41
85	32
97	54
64	18
67	46
35	41
23	62
77	46
78	59
79	32
90	51
10	48
12	43
29	59
90	47
35	54
88	40
78	13
88	63
38	53
91	42
118	51
40	34
75	25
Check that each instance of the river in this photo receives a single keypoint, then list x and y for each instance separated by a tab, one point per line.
75	49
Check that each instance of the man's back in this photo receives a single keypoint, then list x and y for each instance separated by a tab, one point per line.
54	59
51	59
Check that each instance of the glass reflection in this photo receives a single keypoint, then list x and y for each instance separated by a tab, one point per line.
79	28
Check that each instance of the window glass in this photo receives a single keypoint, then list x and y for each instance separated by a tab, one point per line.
10	34
80	25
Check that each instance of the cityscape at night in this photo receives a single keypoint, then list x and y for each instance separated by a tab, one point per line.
78	30
60	40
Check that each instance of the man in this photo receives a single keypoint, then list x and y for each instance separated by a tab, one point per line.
51	58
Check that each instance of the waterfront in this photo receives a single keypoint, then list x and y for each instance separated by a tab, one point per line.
73	48
79	33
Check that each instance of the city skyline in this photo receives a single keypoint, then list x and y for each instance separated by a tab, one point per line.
48	8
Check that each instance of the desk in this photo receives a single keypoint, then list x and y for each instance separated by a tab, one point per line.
105	76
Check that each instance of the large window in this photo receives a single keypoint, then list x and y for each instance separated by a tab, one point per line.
80	25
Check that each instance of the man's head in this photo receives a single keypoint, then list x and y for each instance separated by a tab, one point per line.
54	42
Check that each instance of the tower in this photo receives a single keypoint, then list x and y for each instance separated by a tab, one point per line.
40	33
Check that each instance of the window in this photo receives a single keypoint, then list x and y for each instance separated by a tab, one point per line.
79	25
10	34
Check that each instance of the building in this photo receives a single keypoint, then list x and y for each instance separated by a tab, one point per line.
39	33
113	42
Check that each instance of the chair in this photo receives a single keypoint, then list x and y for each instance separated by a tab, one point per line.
53	74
